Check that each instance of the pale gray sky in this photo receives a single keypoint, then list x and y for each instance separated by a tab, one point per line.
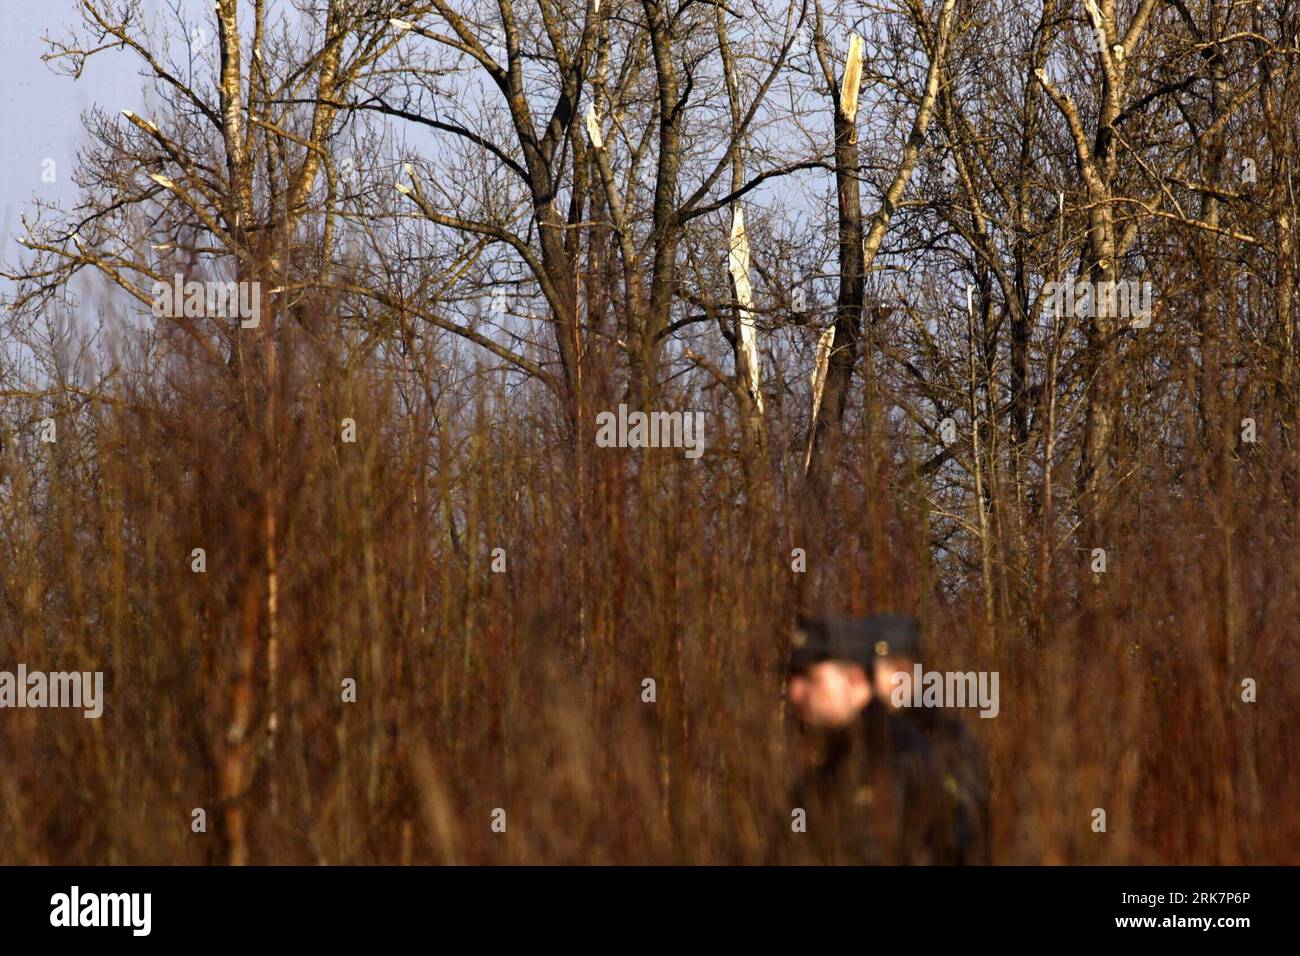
40	111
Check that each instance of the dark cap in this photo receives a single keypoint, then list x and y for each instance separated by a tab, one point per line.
853	640
830	638
894	635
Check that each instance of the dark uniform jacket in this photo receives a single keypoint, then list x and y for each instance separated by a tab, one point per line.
965	778
875	797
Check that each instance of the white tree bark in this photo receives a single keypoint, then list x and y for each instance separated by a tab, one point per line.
738	265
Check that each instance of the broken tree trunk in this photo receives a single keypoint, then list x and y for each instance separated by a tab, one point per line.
857	252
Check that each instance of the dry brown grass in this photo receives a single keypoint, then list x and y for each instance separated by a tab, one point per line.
522	690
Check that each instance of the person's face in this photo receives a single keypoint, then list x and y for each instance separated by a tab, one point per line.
885	669
829	694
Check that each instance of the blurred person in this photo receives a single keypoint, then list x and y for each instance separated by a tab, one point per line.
896	648
873	794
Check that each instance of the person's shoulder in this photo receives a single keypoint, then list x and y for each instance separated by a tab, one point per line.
904	735
960	735
944	725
